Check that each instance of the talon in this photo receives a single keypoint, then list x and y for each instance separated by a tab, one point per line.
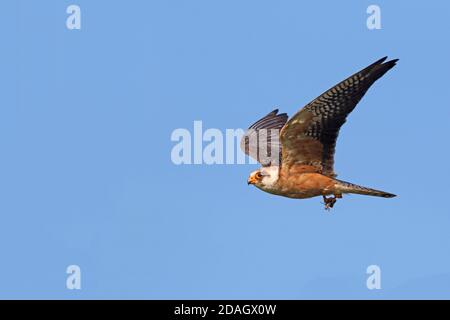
329	202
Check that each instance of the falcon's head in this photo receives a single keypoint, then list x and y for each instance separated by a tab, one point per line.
264	178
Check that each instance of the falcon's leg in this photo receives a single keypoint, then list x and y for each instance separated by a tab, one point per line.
329	202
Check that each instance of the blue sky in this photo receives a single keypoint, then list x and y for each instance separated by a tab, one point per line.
86	176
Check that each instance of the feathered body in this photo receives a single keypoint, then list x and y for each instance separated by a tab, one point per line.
303	182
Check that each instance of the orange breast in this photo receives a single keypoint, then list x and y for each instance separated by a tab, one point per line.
305	185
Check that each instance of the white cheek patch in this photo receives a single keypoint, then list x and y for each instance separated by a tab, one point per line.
270	175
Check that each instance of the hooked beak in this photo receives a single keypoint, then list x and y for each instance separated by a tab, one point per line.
251	180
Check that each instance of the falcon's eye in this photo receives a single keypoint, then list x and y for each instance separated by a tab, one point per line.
258	175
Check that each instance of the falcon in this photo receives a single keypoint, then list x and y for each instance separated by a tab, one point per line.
297	156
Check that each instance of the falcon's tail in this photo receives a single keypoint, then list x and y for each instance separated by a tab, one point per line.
346	187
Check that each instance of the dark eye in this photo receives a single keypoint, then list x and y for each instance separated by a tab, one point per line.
258	175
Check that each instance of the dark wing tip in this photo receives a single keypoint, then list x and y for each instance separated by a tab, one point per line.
380	60
284	116
390	63
393	61
271	121
275	113
379	68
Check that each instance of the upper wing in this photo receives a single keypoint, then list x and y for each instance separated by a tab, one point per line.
309	137
263	137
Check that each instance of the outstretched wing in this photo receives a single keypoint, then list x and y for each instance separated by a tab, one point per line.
309	137
263	138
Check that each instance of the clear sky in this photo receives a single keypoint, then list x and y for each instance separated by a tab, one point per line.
86	176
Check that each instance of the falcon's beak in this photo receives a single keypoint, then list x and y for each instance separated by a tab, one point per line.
251	180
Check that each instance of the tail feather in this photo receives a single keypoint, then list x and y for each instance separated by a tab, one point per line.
347	187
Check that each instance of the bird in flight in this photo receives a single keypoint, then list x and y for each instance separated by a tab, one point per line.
297	156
